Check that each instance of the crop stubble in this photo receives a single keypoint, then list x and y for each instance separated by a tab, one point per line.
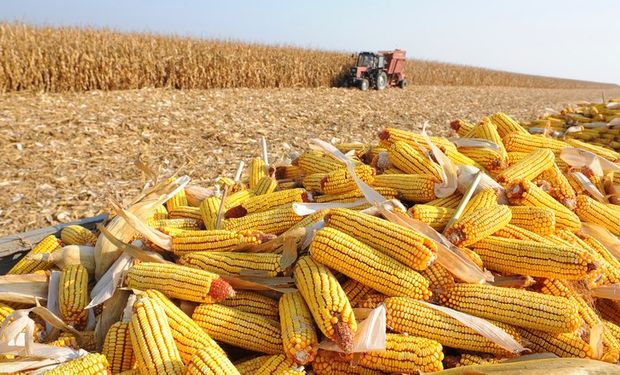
65	154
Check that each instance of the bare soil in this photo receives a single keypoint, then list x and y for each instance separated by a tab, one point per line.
64	155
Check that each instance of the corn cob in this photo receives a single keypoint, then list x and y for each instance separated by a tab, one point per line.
265	185
595	212
298	331
360	262
187	212
327	301
289	172
359	148
529	167
525	193
518	233
469	359
478	224
487	158
613	328
488	130
561	288
117	348
506	125
187	334
232	263
561	188
160	213
209	361
91	364
250	366
451	201
356	291
533	258
237	198
316	162
77	235
354	195
411	187
524	142
312	182
409	160
275	221
152	340
459	158
181	282
253	302
438	277
606	272
242	329
390	135
516	156
436	217
209	209
262	203
340	181
185	223
258	170
539	220
485	198
86	339
405	315
278	365
179	199
73	295
215	240
567	344
514	306
72	342
461	127
405	354
332	363
601	251
404	245
371	300
24	265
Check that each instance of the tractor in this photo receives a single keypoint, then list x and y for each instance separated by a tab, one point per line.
378	70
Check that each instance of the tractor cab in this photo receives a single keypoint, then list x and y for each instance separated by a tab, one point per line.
377	70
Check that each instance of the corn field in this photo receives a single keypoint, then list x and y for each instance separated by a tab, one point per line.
77	59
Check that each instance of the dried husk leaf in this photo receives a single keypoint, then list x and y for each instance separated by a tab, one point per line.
23	288
304	209
466	176
370	335
596	340
611	291
576	157
604	236
588	186
474	142
70	255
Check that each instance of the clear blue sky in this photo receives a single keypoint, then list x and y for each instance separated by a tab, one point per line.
564	38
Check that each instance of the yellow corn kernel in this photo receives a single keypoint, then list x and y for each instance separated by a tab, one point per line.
298	330
478	224
239	328
596	212
265	185
73	295
77	235
232	263
92	364
539	220
24	265
405	354
411	187
117	347
409	160
258	170
209	209
360	262
529	167
275	221
514	306
208	360
327	301
506	125
253	302
436	217
178	281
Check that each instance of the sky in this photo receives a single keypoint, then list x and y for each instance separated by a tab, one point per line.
561	38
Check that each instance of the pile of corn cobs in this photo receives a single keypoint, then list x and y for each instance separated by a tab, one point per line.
413	254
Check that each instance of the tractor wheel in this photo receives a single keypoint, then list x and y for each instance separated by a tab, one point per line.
346	82
402	83
364	84
381	80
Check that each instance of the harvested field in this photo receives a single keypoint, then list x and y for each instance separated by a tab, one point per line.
66	154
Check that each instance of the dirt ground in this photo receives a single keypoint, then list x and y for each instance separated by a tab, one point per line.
64	155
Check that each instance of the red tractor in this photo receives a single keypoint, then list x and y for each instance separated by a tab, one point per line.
378	70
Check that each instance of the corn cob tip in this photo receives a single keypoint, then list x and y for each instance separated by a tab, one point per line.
342	334
220	290
455	235
384	134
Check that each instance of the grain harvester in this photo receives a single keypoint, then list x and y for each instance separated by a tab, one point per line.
378	70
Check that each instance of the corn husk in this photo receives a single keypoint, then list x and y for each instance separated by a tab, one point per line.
144	206
588	186
604	236
68	255
24	288
576	157
370	335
